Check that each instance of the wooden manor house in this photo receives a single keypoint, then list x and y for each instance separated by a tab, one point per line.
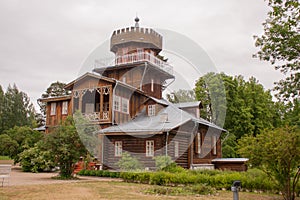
124	99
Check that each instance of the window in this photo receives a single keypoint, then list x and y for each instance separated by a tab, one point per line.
152	85
53	108
176	149
151	110
198	143
117	101
125	105
64	110
118	148
149	148
124	79
214	143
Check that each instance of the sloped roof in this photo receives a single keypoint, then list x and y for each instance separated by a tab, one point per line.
188	104
143	123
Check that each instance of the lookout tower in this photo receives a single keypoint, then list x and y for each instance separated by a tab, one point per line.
137	61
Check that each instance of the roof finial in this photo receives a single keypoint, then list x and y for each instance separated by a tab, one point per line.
137	22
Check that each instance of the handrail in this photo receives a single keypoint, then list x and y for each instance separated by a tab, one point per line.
134	58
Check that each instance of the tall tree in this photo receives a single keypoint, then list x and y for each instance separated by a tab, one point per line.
2	104
54	90
280	44
17	109
249	108
277	153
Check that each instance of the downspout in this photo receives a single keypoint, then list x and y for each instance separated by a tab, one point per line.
142	80
167	138
113	100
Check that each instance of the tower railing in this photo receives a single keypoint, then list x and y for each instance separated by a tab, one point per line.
135	58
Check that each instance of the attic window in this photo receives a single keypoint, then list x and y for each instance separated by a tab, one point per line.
151	110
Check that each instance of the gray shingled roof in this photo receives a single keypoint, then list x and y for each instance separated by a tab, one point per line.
188	104
153	124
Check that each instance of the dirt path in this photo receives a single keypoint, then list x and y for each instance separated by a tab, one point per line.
17	177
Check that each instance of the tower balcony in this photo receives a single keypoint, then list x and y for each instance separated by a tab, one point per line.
134	58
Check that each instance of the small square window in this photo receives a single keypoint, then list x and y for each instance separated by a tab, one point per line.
53	108
117	101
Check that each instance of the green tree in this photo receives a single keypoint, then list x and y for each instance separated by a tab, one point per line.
249	108
280	44
8	146
65	147
181	96
277	153
17	109
54	90
2	104
25	137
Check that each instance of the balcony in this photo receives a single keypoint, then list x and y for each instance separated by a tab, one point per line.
134	58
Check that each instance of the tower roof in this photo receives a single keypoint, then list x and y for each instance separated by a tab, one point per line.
147	37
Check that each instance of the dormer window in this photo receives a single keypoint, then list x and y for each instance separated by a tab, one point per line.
151	110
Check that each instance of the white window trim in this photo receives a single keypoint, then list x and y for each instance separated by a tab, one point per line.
176	149
214	143
149	148
125	101
64	110
118	148
117	103
151	110
53	108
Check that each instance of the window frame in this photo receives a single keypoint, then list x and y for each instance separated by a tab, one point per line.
176	149
118	147
151	110
150	148
152	85
198	141
64	107
117	99
125	101
214	144
52	108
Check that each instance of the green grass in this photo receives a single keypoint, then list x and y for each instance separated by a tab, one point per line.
5	158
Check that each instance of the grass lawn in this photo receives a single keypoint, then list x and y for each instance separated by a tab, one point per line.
4	158
107	190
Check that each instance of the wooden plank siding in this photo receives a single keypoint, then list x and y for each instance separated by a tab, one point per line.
135	145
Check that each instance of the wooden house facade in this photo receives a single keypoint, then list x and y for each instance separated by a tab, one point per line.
124	99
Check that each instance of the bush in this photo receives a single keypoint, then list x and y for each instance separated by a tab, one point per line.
162	162
99	173
173	168
129	163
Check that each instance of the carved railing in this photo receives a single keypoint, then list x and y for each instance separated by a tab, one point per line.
97	116
134	58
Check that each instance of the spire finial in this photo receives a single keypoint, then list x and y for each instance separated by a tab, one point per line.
137	22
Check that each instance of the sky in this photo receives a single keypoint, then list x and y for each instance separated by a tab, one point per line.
46	41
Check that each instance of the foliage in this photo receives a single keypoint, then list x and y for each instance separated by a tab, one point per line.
248	107
65	147
173	168
277	153
201	189
8	146
15	109
24	137
181	96
87	132
280	44
99	173
129	163
36	159
162	161
54	90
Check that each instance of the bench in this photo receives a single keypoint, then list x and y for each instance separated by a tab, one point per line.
5	170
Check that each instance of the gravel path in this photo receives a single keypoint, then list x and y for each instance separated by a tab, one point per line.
17	178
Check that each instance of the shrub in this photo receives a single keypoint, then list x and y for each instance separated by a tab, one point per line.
173	168
162	162
129	163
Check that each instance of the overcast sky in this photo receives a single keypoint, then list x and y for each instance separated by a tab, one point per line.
45	41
